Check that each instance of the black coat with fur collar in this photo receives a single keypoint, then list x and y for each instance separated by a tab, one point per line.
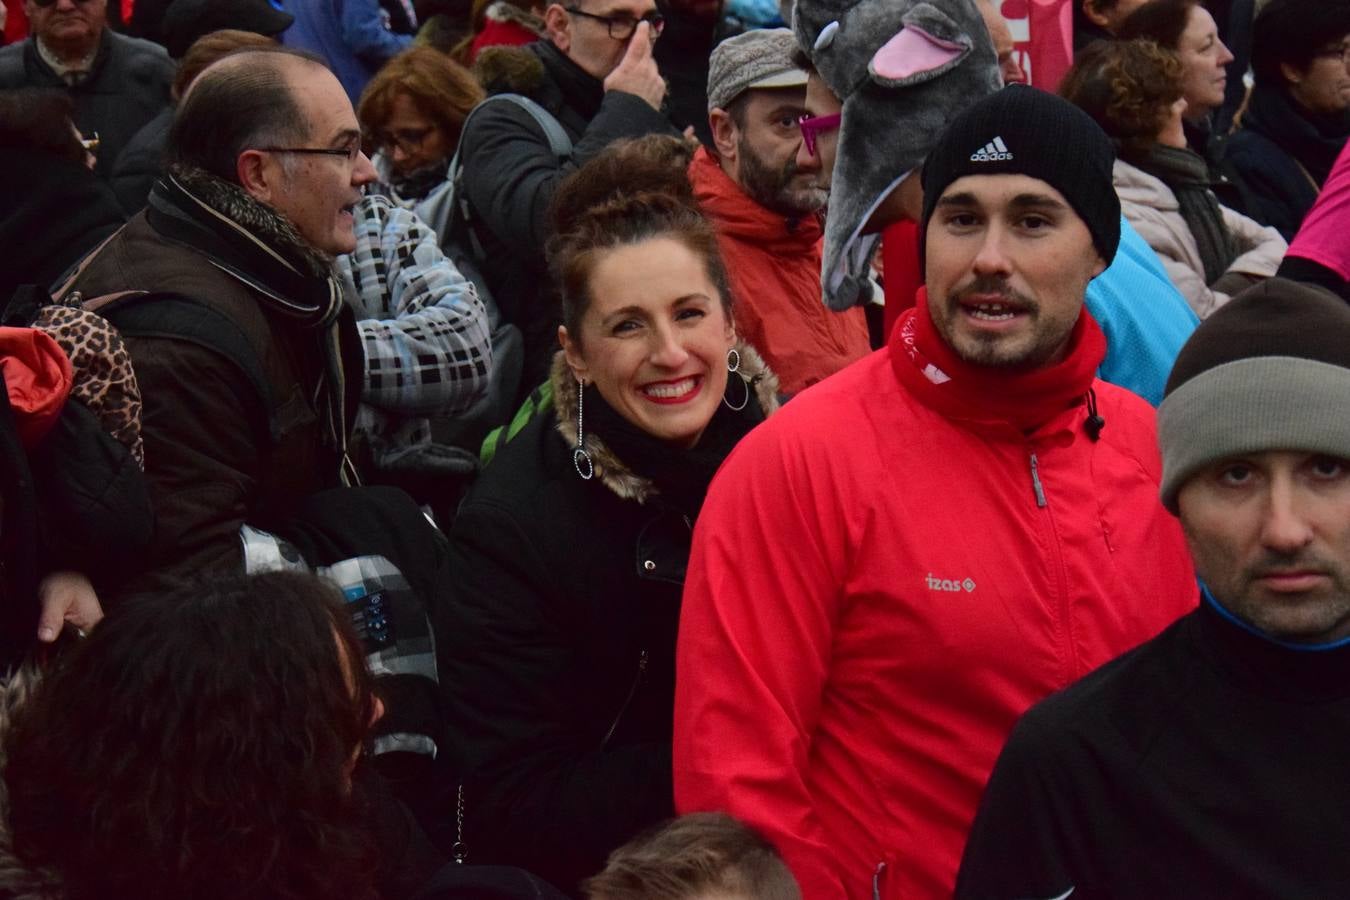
557	654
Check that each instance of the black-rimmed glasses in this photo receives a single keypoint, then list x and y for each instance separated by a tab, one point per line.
348	153
621	28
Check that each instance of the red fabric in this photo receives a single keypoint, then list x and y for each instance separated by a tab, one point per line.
1043	35
38	377
774	268
16	23
903	274
501	34
875	596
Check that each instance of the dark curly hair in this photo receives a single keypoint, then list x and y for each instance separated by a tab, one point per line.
200	744
1128	88
633	191
40	119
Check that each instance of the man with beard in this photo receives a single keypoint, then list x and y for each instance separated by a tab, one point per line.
765	198
890	570
1209	760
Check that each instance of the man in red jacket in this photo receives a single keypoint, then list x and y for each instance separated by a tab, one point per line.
888	572
764	199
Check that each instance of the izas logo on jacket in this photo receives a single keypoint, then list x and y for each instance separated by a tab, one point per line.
950	584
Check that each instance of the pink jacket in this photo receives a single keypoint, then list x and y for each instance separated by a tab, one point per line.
885	576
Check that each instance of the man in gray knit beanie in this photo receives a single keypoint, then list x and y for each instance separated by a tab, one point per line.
1213	754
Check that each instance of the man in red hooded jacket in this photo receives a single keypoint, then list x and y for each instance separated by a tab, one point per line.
765	203
892	569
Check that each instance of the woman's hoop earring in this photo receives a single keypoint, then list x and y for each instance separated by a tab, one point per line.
580	458
745	385
733	360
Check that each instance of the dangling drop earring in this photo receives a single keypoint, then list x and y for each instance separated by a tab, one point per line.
734	366
579	455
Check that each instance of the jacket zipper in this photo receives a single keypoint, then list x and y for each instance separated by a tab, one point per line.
876	880
1036	483
632	691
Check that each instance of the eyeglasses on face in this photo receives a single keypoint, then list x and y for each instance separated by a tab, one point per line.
43	4
348	153
621	28
813	128
1341	51
409	140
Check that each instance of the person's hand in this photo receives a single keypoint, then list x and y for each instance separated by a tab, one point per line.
66	597
636	73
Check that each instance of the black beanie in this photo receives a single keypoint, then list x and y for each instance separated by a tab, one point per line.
1268	371
1021	130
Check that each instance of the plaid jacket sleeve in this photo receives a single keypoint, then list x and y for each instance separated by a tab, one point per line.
425	331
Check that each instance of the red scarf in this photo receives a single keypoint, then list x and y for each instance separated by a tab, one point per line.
1026	400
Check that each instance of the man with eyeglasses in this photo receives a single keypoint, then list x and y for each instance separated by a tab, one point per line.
264	167
118	83
1298	117
595	74
765	198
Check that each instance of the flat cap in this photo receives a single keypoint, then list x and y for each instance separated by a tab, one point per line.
757	59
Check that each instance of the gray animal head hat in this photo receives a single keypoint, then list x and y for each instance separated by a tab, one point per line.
903	71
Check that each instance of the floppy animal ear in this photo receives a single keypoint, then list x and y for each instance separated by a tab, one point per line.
929	44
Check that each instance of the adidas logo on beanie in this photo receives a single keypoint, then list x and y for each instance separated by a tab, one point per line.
992	152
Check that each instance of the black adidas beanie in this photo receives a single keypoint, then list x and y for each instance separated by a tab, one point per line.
1021	130
1268	371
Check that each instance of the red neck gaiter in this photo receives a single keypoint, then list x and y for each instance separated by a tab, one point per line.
1026	400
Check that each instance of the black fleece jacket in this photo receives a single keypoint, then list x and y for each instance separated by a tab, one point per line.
1208	762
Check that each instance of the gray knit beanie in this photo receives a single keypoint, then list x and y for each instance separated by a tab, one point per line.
1268	371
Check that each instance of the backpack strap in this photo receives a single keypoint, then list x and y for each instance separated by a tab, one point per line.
559	144
164	315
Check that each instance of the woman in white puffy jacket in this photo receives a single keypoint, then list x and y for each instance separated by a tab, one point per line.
1133	89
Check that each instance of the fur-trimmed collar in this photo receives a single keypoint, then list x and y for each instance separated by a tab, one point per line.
17	880
502	11
255	217
510	70
611	471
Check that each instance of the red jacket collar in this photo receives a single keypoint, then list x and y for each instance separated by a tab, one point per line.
735	215
998	398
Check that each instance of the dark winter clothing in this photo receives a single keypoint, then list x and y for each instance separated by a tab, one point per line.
54	212
1209	761
1281	156
127	86
557	653
510	175
140	163
220	449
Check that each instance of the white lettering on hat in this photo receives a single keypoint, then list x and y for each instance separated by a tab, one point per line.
993	151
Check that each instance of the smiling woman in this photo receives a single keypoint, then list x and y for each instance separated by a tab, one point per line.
570	552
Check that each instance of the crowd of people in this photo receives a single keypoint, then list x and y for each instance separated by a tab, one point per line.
681	451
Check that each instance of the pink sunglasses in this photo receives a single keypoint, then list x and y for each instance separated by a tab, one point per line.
813	128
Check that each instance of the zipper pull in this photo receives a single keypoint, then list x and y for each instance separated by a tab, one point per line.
1036	483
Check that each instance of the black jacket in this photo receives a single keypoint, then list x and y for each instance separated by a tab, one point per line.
140	163
52	212
558	651
1208	762
511	176
1280	158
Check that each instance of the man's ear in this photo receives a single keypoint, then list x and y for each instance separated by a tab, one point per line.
558	26
258	174
1095	15
572	353
725	134
1291	73
1100	267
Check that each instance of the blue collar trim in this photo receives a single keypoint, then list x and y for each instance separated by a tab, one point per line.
1251	629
